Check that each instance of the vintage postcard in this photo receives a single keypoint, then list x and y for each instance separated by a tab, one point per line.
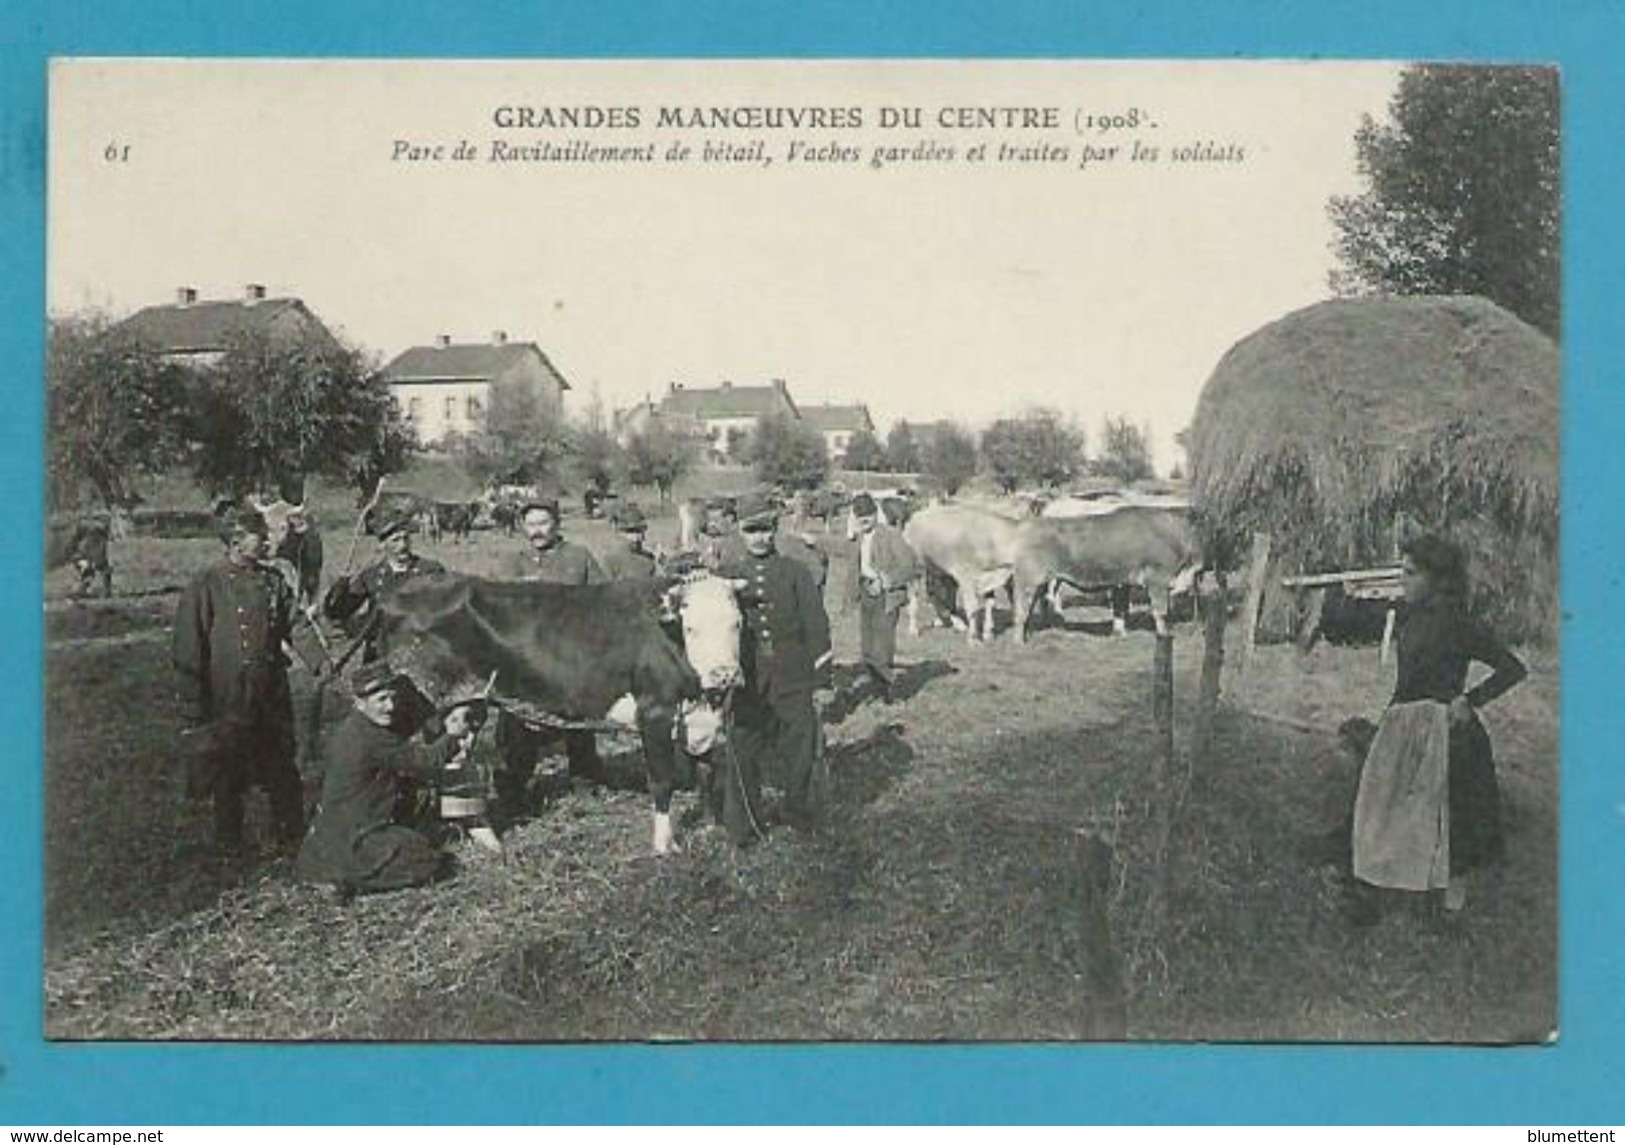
801	551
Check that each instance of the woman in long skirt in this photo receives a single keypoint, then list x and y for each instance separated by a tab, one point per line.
1428	808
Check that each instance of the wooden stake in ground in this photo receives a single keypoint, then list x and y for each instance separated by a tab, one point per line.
1207	702
1257	576
1162	719
1097	963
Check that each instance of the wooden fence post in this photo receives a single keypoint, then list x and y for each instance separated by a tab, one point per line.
1162	704
1207	701
1257	575
1098	964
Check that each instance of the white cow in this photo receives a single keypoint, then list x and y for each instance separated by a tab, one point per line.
973	547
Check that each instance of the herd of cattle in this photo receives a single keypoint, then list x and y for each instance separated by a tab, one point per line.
976	555
564	655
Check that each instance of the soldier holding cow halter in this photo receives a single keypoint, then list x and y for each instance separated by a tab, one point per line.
786	655
352	600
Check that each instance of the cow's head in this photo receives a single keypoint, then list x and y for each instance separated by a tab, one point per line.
709	613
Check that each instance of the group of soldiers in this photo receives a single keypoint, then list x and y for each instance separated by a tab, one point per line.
234	629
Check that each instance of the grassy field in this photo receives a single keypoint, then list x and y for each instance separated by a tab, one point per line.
938	903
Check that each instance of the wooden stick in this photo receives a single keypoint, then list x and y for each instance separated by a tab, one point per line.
361	526
1257	570
1352	576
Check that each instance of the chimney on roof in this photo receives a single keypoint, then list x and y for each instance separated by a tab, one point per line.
442	340
499	337
778	384
254	292
727	385
675	386
185	295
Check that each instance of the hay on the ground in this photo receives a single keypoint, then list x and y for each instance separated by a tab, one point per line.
1340	423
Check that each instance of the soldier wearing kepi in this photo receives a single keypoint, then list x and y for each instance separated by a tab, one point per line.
885	566
550	558
630	559
356	843
352	600
231	626
786	655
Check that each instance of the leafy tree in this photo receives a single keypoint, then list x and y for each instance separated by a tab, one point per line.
1463	191
116	411
788	453
659	456
902	451
864	453
950	459
735	444
273	410
598	459
523	440
1037	448
1125	451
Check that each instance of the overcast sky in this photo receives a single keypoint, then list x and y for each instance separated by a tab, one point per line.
959	290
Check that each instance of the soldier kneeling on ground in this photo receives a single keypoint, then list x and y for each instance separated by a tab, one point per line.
356	844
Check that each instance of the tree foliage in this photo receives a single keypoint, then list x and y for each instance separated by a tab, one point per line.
524	441
864	453
1125	451
659	456
950	459
1035	449
116	412
902	451
788	453
273	410
597	460
1463	192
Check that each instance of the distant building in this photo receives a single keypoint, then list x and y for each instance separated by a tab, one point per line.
725	414
445	388
838	424
925	434
198	333
639	419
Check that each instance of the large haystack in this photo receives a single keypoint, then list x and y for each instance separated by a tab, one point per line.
1327	427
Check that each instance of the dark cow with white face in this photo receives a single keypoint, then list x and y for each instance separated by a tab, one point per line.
575	652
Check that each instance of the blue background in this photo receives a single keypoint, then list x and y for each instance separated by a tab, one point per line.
1579	1081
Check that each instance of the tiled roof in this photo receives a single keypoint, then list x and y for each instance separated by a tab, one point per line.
838	419
471	362
729	401
204	327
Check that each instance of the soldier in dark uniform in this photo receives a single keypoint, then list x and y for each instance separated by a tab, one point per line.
231	626
555	560
631	559
786	656
722	546
356	843
549	557
351	600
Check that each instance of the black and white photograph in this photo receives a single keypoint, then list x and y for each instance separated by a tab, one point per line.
969	551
